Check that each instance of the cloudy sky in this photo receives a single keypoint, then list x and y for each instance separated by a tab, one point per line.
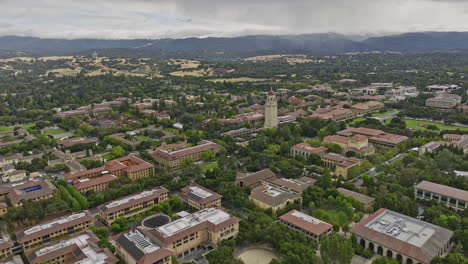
121	19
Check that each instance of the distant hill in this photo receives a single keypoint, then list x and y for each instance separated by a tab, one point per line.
420	42
311	44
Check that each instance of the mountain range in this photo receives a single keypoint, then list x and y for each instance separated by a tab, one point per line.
318	44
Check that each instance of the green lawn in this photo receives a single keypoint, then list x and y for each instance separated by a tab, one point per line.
107	156
10	128
53	131
414	125
384	113
209	166
334	217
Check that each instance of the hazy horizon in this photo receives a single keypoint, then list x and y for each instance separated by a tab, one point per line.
146	19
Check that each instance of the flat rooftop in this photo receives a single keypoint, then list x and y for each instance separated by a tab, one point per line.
212	215
402	227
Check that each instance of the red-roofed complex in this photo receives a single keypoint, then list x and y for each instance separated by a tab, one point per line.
98	184
454	198
173	158
197	230
132	204
47	231
128	166
82	248
306	150
406	239
313	228
138	247
376	137
357	143
199	197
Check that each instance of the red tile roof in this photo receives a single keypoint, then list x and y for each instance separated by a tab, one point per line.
86	183
315	226
443	190
307	148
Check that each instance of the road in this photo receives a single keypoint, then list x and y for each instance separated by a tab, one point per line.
358	182
387	116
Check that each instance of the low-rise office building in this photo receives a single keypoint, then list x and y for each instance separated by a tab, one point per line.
454	198
173	158
82	248
409	240
305	149
254	179
296	186
70	142
367	201
199	197
376	137
97	185
339	164
48	231
206	228
274	198
132	204
14	260
312	227
6	247
358	144
137	247
34	190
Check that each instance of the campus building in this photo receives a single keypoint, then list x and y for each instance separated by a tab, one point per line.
70	142
128	166
6	247
97	185
358	144
34	190
82	248
305	149
199	197
409	240
173	156
50	230
272	197
132	204
137	247
339	164
295	186
454	198
376	137
367	201
254	179
206	228
311	227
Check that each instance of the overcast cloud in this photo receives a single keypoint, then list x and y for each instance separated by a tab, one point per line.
122	19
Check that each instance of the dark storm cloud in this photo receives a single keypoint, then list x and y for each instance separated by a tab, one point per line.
188	18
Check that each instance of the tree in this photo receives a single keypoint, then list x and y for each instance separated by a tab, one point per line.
336	249
117	152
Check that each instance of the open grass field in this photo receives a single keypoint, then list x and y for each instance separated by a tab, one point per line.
384	113
10	128
53	131
420	125
240	79
209	166
334	217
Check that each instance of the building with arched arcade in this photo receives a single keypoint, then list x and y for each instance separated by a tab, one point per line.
409	240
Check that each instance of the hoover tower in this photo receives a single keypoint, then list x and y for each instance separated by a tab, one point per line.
271	111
